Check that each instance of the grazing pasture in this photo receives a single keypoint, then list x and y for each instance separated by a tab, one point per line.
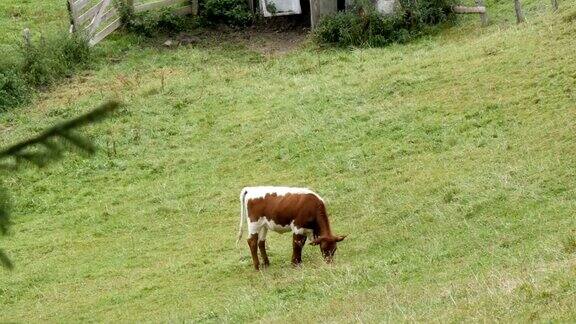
449	162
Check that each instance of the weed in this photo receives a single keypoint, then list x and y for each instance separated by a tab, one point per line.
364	26
52	58
13	88
229	12
41	63
570	244
271	7
152	23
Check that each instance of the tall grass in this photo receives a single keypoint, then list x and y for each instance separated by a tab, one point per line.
364	26
39	64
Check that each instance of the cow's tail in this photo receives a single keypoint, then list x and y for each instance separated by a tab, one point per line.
243	214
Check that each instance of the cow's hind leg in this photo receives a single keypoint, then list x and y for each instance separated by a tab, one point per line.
298	242
262	246
253	244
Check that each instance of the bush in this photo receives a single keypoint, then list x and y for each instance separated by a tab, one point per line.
51	59
233	13
40	64
13	89
229	12
151	23
364	26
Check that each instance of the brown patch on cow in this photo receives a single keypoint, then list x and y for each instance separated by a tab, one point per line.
302	209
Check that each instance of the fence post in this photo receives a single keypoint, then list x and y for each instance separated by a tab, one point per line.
314	13
194	4
27	37
519	15
71	15
554	5
483	16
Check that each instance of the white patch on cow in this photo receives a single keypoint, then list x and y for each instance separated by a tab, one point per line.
262	234
263	222
261	192
302	231
262	226
277	227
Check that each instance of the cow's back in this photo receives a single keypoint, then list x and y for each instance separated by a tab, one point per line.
283	205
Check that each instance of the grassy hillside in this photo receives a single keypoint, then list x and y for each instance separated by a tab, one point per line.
450	163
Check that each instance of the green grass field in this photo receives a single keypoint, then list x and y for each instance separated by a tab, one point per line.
450	163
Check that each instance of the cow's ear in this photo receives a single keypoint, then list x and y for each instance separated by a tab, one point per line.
317	240
340	238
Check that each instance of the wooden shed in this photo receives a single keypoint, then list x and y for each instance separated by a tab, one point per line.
315	8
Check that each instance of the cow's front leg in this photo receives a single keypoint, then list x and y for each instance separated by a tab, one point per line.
253	244
298	242
262	246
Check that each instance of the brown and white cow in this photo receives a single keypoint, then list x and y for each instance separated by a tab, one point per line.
285	209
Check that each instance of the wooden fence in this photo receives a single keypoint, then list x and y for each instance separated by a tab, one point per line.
480	9
99	18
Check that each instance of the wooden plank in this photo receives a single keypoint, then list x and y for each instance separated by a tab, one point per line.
80	5
314	13
111	13
321	8
105	32
519	14
328	7
71	10
194	4
469	10
554	5
98	18
71	16
89	14
483	16
182	11
158	4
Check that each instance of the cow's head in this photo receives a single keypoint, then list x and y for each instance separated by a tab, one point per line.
328	245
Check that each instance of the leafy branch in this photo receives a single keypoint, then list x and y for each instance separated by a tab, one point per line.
53	142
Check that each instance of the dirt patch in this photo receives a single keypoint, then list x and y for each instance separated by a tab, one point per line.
264	40
270	37
273	43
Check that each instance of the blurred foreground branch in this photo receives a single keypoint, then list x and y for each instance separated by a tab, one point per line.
52	141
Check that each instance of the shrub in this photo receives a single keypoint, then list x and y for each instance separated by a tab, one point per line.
13	88
53	58
40	64
229	12
75	51
233	13
426	12
364	26
151	23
